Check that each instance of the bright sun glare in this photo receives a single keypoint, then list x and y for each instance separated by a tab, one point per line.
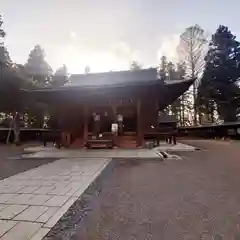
77	60
118	57
77	56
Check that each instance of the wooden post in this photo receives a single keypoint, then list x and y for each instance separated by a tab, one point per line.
139	124
114	109
115	138
85	126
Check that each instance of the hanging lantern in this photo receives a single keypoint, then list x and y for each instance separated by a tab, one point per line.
119	118
97	118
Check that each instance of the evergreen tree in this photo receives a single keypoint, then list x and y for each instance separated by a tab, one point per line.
171	75
163	68
87	70
5	59
11	102
60	77
40	73
2	32
180	106
222	73
4	55
171	71
135	66
181	72
37	67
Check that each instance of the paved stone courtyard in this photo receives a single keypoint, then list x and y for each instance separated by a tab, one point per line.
49	152
192	197
196	197
33	201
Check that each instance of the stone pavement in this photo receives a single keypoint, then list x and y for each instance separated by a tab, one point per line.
32	202
171	147
51	152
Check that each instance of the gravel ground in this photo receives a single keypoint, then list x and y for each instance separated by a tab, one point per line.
197	197
11	165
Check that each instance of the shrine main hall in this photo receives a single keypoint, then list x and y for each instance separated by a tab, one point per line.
120	107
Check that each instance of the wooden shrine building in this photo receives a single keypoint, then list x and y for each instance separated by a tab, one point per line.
120	107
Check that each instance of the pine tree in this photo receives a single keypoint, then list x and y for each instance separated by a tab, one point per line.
222	73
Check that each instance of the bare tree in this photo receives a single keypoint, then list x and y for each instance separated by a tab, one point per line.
191	50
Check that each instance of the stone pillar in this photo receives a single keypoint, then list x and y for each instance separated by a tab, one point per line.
85	124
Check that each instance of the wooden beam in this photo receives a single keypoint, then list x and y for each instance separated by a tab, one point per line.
139	124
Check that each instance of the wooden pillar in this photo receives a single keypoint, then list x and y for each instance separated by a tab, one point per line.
97	123
85	126
66	139
115	138
139	124
114	109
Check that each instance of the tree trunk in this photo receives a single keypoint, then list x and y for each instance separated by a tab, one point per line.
16	128
194	102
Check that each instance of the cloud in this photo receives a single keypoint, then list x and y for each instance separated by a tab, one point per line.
124	52
169	48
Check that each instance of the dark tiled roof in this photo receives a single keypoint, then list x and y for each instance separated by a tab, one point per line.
110	83
113	78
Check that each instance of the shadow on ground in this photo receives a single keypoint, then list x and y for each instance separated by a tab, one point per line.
11	162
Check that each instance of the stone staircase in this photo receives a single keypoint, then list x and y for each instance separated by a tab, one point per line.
127	141
77	143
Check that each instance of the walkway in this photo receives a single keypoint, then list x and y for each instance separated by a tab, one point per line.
33	201
50	152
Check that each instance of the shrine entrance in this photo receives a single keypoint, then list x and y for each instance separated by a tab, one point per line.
127	119
117	123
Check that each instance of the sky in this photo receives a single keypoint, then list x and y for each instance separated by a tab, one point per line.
105	34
